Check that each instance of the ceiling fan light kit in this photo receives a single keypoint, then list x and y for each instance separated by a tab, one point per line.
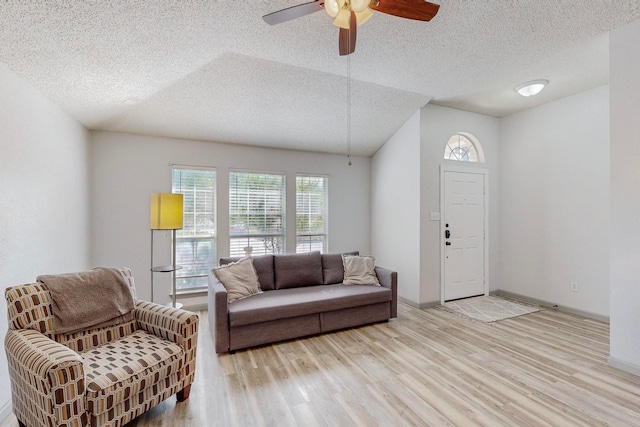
359	5
342	20
531	88
343	10
362	17
332	7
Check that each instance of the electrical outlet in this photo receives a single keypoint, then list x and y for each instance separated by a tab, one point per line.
574	286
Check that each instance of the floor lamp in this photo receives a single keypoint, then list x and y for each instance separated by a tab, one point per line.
166	214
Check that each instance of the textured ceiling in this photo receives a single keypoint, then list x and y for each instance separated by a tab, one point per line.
213	70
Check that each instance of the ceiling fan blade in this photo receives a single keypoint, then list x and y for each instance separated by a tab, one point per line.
293	12
420	10
347	39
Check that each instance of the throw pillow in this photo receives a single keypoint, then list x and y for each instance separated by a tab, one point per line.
297	270
264	269
359	270
239	279
333	267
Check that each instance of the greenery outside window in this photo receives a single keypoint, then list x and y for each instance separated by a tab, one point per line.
311	213
196	241
256	213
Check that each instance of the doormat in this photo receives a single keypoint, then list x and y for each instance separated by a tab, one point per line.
488	309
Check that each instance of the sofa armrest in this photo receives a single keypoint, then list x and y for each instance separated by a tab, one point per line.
47	380
172	324
389	279
218	314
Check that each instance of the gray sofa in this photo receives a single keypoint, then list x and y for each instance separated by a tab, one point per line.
302	295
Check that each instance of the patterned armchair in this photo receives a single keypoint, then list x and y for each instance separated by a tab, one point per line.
98	377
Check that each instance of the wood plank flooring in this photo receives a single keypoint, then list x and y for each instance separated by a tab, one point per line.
425	368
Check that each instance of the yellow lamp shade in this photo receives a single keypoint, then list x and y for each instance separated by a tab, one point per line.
166	211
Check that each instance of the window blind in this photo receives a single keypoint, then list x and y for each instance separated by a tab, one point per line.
256	213
195	242
311	213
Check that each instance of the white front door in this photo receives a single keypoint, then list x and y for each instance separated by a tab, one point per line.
463	224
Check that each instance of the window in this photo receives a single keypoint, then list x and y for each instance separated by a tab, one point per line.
256	213
196	242
311	213
463	147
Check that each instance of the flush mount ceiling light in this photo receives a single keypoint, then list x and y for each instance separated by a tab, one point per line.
531	88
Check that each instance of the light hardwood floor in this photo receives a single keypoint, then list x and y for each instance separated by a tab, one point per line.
425	368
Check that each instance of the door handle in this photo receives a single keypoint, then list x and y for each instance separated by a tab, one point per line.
447	234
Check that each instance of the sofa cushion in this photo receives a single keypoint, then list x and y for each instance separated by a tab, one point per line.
264	268
126	367
239	279
333	268
286	303
360	270
296	270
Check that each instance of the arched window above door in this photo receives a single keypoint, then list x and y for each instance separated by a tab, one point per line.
463	147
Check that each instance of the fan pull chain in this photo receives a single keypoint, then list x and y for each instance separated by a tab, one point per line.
349	106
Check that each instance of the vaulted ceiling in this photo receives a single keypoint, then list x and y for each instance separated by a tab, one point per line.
214	70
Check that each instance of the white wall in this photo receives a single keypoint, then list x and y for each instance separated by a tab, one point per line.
625	197
406	188
126	169
395	207
554	210
438	124
44	193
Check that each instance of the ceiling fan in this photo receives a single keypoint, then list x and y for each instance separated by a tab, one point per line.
348	14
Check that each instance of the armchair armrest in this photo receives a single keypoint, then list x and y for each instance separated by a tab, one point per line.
47	379
173	324
389	279
218	314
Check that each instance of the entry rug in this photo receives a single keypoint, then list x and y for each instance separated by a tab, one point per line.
488	309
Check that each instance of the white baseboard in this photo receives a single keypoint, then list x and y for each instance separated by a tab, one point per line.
547	304
421	305
5	411
624	366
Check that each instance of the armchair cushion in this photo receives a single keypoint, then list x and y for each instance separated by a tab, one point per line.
136	362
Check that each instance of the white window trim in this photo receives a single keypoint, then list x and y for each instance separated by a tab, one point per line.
284	207
326	206
476	145
175	166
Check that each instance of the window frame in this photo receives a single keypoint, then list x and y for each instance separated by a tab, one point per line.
325	215
252	236
474	145
213	237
